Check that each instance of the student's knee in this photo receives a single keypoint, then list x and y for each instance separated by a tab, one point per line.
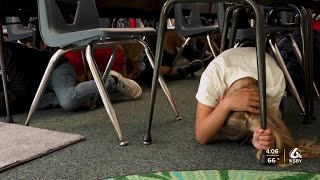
68	105
67	102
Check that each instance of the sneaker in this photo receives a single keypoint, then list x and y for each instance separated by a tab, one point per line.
196	65
127	86
190	53
207	58
190	68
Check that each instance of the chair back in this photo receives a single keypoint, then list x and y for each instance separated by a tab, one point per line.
17	30
54	28
193	25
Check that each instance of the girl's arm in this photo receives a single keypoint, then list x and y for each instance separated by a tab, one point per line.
209	121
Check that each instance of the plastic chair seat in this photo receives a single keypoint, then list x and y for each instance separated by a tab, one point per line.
251	32
196	31
83	37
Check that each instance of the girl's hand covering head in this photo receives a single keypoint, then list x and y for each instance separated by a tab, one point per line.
245	99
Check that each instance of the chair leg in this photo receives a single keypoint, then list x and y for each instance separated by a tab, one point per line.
83	58
316	90
210	46
260	41
179	54
43	84
305	36
299	57
104	96
161	81
289	80
233	30
158	59
109	67
310	59
110	63
4	77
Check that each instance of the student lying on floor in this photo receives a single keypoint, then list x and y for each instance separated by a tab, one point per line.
228	103
26	66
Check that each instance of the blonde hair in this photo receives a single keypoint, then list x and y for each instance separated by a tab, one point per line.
241	125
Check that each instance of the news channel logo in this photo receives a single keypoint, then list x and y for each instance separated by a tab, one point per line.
295	156
273	156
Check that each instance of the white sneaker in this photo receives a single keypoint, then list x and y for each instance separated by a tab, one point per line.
127	86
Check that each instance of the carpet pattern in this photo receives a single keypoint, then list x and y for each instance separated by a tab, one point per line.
20	144
221	174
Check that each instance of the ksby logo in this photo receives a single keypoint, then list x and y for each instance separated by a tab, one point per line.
295	155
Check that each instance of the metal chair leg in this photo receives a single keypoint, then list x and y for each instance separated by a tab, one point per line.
161	81
310	58
43	84
306	36
260	41
158	59
299	57
104	96
4	77
289	80
179	54
211	46
110	63
233	31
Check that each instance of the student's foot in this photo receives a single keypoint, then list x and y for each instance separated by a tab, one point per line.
191	54
196	65
190	68
127	86
207	58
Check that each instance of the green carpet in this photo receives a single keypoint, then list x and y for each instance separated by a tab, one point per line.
222	174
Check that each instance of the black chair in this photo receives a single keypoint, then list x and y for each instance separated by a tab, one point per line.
86	33
18	30
12	8
190	24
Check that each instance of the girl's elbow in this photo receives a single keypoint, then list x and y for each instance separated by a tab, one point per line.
201	139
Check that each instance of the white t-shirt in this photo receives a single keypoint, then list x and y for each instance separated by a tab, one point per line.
234	64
